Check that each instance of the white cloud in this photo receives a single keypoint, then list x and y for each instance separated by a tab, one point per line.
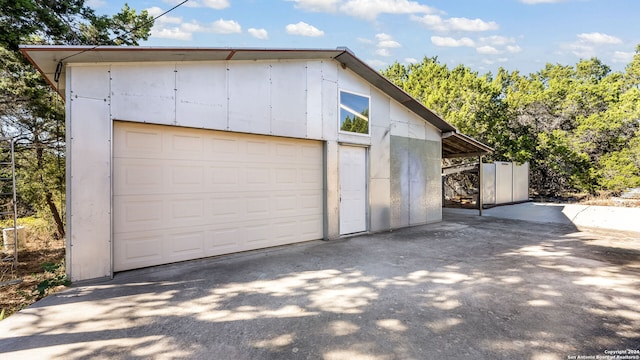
386	41
216	4
497	40
587	44
370	9
212	4
170	27
411	60
172	33
226	27
317	5
437	23
167	19
487	50
622	57
304	29
514	49
94	4
261	34
377	64
451	42
598	38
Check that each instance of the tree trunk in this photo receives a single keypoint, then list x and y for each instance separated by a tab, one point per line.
47	194
55	213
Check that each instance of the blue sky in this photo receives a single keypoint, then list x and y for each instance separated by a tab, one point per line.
519	35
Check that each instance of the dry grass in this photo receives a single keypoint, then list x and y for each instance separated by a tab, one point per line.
40	249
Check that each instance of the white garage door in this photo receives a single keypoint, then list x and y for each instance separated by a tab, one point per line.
183	193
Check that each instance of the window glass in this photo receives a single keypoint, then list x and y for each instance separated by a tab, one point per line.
354	113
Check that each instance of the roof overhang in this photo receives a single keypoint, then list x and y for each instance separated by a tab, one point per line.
457	145
51	61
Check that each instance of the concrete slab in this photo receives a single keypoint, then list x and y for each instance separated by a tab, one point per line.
589	216
466	288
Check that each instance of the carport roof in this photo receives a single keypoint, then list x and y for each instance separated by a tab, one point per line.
51	60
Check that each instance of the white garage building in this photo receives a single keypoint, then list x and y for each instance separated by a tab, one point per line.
183	153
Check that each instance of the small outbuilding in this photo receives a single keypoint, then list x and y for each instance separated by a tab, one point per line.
182	153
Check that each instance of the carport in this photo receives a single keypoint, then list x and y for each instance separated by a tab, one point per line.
456	146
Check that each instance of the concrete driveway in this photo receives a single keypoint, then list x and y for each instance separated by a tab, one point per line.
466	288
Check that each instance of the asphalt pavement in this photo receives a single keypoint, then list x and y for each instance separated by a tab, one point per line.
465	288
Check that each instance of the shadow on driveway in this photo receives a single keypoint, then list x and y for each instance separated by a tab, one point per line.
466	288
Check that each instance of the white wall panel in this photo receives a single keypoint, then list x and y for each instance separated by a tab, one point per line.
332	186
249	97
289	99
400	129
417	130
201	95
489	183
314	100
379	153
380	111
380	199
329	110
143	93
348	81
330	71
521	182
504	182
89	199
89	81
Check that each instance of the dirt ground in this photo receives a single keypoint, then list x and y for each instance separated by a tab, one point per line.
30	272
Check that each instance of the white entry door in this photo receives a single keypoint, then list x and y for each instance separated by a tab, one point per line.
353	189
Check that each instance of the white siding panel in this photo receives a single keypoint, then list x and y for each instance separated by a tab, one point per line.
504	182
89	183
202	95
489	183
90	82
380	109
521	182
330	71
350	82
202	193
289	99
314	100
380	154
400	129
249	98
329	110
143	93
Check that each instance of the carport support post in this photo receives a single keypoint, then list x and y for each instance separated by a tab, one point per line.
480	185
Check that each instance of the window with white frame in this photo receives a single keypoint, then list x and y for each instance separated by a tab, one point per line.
354	113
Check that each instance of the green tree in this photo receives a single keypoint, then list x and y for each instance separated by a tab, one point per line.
577	125
29	109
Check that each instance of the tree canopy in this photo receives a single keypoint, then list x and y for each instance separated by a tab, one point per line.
29	109
578	125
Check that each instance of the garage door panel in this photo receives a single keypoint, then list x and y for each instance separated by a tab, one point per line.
223	240
197	193
137	214
189	243
138	250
